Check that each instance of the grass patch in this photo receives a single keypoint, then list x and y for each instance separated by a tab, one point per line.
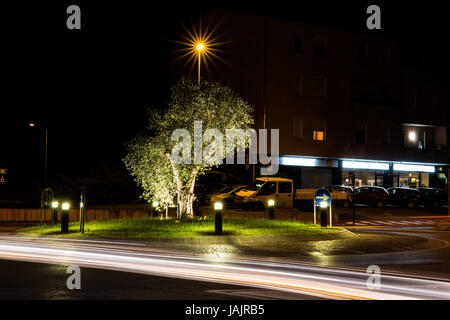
145	228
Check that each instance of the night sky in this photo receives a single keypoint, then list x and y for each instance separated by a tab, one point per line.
91	87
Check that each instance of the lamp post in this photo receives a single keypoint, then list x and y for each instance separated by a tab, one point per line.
32	125
218	206
65	217
200	48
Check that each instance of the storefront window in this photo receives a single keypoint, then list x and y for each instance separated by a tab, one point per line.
358	178
412	180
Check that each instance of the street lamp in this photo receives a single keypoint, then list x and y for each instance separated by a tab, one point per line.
200	48
33	125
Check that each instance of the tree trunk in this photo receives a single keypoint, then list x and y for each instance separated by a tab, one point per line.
186	199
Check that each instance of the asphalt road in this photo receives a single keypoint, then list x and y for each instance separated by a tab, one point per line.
298	277
41	281
35	269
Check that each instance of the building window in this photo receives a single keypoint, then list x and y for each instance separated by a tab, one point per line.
421	139
319	86
361	134
320	46
414	137
298	42
361	53
319	130
297	127
298	83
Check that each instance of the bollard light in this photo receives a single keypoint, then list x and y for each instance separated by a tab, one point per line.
218	206
65	217
323	204
218	217
271	205
55	205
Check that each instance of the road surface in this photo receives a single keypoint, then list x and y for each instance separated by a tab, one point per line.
299	277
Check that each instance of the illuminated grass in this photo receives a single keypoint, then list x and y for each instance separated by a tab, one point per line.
178	228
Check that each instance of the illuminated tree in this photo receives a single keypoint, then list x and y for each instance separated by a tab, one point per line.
151	158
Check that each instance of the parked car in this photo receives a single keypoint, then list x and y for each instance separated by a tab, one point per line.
371	195
433	197
226	195
409	197
283	192
346	202
203	192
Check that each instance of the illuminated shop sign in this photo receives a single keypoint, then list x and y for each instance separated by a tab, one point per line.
365	165
413	167
297	161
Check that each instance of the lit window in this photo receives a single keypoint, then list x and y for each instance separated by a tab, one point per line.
319	130
318	135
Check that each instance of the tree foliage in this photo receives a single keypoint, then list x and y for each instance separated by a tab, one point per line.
150	158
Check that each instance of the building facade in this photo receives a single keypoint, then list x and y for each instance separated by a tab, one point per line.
352	109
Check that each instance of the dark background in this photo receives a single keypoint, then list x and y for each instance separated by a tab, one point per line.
91	87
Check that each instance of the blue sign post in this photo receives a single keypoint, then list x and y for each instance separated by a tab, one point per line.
322	199
322	195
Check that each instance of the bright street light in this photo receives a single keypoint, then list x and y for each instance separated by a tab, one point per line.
155	204
200	47
323	204
55	204
218	206
271	202
65	206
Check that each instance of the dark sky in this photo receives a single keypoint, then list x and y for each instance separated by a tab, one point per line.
91	87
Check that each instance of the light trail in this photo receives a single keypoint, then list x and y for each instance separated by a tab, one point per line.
301	278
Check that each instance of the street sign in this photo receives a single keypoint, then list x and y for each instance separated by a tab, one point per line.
322	195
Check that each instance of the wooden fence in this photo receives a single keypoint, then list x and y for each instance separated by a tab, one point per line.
29	215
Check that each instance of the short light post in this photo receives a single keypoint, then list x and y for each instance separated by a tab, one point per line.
271	205
65	217
323	213
55	206
155	205
218	206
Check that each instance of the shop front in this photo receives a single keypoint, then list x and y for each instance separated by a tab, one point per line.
311	172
